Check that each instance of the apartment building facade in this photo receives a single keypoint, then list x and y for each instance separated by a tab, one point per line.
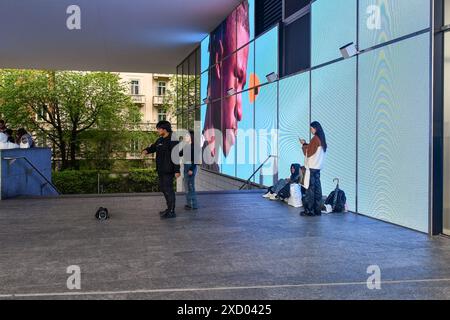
148	90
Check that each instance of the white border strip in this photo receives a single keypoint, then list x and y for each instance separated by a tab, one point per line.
104	293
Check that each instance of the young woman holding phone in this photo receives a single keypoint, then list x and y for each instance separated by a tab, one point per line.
314	159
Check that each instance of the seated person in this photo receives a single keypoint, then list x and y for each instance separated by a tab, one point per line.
10	134
4	144
24	139
296	177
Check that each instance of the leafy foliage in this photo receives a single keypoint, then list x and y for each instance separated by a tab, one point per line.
87	181
81	114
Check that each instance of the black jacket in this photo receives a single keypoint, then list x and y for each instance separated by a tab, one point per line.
163	148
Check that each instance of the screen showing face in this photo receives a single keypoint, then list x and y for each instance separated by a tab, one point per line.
228	71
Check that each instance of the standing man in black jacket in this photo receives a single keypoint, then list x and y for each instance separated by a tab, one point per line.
166	168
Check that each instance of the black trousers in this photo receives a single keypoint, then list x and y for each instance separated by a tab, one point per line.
312	199
166	187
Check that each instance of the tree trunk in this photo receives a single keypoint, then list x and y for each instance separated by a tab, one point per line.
73	150
64	163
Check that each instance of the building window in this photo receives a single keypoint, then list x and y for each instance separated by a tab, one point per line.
161	88
42	114
134	146
135	87
162	115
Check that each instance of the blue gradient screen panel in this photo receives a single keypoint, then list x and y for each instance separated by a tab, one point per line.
204	81
294	121
228	163
381	21
333	26
251	18
334	106
266	55
394	118
246	138
204	49
266	109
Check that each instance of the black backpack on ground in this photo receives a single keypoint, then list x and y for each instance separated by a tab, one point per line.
337	199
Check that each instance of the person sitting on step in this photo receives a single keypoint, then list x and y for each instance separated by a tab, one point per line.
296	176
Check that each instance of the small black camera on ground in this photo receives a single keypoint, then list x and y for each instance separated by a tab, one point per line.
102	214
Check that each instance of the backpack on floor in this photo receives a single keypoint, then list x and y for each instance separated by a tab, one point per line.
337	199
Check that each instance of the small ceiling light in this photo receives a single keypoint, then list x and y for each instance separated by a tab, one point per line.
231	92
272	77
349	50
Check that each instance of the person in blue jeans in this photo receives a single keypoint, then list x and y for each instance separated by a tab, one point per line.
190	172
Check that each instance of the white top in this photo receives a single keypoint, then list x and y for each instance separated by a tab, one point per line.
317	160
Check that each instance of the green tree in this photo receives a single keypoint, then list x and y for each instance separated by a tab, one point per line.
65	105
182	97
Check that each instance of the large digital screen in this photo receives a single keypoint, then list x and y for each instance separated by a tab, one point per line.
204	86
333	26
251	20
294	121
394	133
227	160
382	21
246	62
246	136
266	55
228	74
266	109
228	163
333	104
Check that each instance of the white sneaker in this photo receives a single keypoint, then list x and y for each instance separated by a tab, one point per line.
267	195
273	197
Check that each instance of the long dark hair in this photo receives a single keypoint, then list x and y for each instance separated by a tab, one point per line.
320	134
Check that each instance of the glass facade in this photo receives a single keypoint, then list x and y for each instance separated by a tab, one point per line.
374	107
266	110
333	104
381	21
333	26
447	134
266	55
246	137
394	131
294	114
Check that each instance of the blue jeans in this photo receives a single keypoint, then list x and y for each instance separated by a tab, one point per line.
189	185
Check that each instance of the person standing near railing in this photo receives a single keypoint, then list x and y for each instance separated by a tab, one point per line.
314	159
165	166
190	171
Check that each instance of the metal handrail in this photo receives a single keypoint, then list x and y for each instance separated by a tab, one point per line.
35	169
257	170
